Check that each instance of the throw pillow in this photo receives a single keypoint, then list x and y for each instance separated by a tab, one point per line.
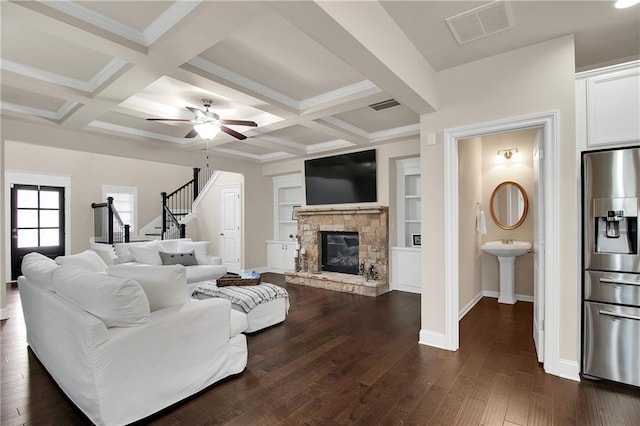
38	269
148	253
118	302
185	259
88	259
198	247
164	285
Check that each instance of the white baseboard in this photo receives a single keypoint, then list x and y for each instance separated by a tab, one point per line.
429	338
567	370
405	288
496	294
470	305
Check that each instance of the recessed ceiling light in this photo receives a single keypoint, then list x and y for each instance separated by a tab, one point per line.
623	4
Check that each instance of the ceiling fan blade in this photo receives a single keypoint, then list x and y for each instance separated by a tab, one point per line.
197	112
233	133
191	134
167	119
240	123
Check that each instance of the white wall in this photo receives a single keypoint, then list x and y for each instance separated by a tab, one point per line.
531	80
3	288
469	241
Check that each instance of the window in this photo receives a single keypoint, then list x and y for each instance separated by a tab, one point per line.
125	200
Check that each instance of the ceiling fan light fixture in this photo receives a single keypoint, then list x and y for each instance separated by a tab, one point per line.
207	131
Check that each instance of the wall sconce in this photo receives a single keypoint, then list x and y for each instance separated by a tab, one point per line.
508	154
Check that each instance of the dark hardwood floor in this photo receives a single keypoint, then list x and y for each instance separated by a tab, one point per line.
346	359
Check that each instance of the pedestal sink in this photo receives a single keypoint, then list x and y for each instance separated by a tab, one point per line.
506	253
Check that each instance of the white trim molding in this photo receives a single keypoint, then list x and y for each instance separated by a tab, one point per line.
429	338
548	121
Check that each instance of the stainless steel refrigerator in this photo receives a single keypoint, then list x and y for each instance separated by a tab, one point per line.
611	262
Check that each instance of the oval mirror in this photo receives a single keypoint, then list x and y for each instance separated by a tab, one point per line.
509	205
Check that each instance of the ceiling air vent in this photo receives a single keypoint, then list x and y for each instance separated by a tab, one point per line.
389	103
482	21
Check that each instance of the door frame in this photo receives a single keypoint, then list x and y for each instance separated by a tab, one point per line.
548	123
32	178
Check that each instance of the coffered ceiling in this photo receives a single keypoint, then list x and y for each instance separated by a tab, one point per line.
305	72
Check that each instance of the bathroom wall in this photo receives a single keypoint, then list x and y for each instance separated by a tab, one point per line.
470	158
492	175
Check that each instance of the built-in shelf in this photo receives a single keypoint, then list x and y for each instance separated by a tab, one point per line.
409	201
287	194
405	256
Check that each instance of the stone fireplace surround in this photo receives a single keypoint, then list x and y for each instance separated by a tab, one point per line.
372	224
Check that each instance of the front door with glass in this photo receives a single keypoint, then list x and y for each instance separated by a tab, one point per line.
37	223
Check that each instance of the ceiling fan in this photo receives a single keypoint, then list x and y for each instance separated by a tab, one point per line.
207	124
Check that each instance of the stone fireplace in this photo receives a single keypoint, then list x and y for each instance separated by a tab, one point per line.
366	228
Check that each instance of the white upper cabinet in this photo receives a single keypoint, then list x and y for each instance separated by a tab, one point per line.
608	106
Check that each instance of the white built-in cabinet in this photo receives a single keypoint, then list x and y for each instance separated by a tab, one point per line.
608	106
287	196
405	256
280	256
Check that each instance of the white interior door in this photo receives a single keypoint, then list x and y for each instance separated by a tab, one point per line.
538	248
231	227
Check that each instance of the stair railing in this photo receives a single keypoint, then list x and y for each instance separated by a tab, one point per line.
108	227
171	227
179	203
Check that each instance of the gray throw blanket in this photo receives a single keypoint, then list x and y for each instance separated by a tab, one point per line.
244	297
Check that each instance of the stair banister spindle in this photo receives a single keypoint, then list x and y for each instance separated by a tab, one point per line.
163	215
110	220
196	190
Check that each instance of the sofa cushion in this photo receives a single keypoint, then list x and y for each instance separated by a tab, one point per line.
38	269
118	302
148	253
185	259
88	260
197	273
199	248
164	286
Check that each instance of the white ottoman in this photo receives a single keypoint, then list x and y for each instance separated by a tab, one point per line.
265	304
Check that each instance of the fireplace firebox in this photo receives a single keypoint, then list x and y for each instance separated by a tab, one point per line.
340	252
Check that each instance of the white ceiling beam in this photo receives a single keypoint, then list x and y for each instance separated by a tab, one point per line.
366	37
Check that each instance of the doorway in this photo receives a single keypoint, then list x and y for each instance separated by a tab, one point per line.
42	181
231	227
548	296
506	189
37	223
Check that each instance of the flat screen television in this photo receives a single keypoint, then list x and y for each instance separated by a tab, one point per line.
340	179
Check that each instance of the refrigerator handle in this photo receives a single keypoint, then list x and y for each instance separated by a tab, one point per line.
615	281
619	315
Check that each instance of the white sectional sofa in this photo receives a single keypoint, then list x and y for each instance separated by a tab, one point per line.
122	350
147	253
